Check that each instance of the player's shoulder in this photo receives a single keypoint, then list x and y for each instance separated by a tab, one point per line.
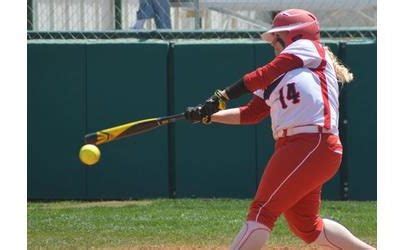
306	50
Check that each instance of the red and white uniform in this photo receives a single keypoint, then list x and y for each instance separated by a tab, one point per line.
300	91
298	88
307	95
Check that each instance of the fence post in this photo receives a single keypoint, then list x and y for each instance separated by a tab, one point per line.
118	14
30	15
172	182
198	23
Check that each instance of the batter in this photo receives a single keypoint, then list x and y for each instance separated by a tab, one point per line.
299	90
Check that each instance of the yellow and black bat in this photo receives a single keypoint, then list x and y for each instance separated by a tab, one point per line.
129	129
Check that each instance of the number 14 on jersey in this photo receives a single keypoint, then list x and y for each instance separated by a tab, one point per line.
291	95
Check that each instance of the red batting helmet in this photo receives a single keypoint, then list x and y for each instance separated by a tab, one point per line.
301	24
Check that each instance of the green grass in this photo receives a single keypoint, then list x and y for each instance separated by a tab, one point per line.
182	222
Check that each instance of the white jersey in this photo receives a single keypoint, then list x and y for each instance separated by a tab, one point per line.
307	95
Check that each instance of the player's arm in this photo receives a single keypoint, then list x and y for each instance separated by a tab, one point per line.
265	75
227	116
258	79
251	113
302	53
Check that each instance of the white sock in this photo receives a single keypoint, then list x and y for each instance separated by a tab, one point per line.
336	236
252	236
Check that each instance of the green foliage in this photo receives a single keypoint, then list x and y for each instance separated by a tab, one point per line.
182	222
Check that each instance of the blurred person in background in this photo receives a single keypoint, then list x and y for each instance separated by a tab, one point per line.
159	10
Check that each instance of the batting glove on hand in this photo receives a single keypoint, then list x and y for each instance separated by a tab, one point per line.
194	115
215	103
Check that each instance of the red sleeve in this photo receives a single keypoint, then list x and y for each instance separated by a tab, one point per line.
265	75
254	111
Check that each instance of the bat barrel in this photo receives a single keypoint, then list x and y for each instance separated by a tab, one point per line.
129	129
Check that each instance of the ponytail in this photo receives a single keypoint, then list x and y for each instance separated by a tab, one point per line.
342	72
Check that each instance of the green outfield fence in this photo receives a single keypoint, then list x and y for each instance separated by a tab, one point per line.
77	86
347	34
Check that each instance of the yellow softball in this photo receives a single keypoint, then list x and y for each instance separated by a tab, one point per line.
89	154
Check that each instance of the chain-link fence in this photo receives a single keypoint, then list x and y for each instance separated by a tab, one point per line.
196	19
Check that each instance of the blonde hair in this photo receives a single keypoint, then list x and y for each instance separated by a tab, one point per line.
342	72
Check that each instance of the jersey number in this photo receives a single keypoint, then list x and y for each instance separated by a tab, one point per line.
291	95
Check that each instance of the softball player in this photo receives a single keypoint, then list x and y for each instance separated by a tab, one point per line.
299	89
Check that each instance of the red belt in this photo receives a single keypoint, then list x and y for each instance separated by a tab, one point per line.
303	129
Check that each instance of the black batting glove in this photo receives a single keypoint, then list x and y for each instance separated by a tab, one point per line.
202	113
194	115
215	103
